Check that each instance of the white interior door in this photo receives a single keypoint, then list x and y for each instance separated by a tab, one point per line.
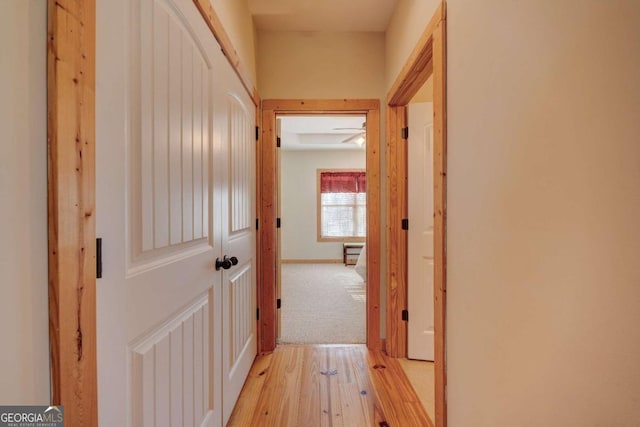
234	127
420	244
164	207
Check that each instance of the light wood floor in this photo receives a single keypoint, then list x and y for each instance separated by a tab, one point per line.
421	375
327	385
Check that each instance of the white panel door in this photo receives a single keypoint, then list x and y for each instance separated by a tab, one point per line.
235	143
420	242
167	122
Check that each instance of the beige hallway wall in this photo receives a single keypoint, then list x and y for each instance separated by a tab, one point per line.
238	23
320	65
24	310
406	25
544	168
543	299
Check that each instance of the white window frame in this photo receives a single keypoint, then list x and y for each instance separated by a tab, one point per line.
319	206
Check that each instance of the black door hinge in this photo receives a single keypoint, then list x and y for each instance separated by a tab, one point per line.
257	132
99	258
278	142
257	313
278	303
278	222
257	223
405	315
405	133
405	224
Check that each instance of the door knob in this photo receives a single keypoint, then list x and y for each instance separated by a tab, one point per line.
225	263
234	260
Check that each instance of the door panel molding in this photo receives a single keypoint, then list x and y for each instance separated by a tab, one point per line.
268	188
160	375
240	309
240	162
169	168
427	58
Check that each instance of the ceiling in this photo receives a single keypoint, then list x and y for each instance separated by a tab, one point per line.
319	133
322	15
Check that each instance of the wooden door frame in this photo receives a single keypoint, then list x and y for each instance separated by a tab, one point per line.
428	58
268	205
71	207
71	54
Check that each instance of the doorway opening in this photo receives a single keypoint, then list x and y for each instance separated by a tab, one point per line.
418	364
324	235
428	59
321	229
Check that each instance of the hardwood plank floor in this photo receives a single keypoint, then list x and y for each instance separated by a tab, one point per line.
328	385
421	375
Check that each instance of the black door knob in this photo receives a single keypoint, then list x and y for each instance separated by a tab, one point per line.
225	263
234	260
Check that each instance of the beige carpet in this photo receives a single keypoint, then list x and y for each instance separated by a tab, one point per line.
322	304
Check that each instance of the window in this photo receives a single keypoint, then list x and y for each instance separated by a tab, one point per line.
342	205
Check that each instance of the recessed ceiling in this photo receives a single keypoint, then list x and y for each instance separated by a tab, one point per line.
322	15
325	132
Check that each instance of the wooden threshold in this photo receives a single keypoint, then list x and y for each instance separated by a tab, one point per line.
341	385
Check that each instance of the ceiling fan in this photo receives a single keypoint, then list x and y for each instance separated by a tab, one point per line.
357	138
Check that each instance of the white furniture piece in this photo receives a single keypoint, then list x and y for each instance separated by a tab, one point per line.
361	264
